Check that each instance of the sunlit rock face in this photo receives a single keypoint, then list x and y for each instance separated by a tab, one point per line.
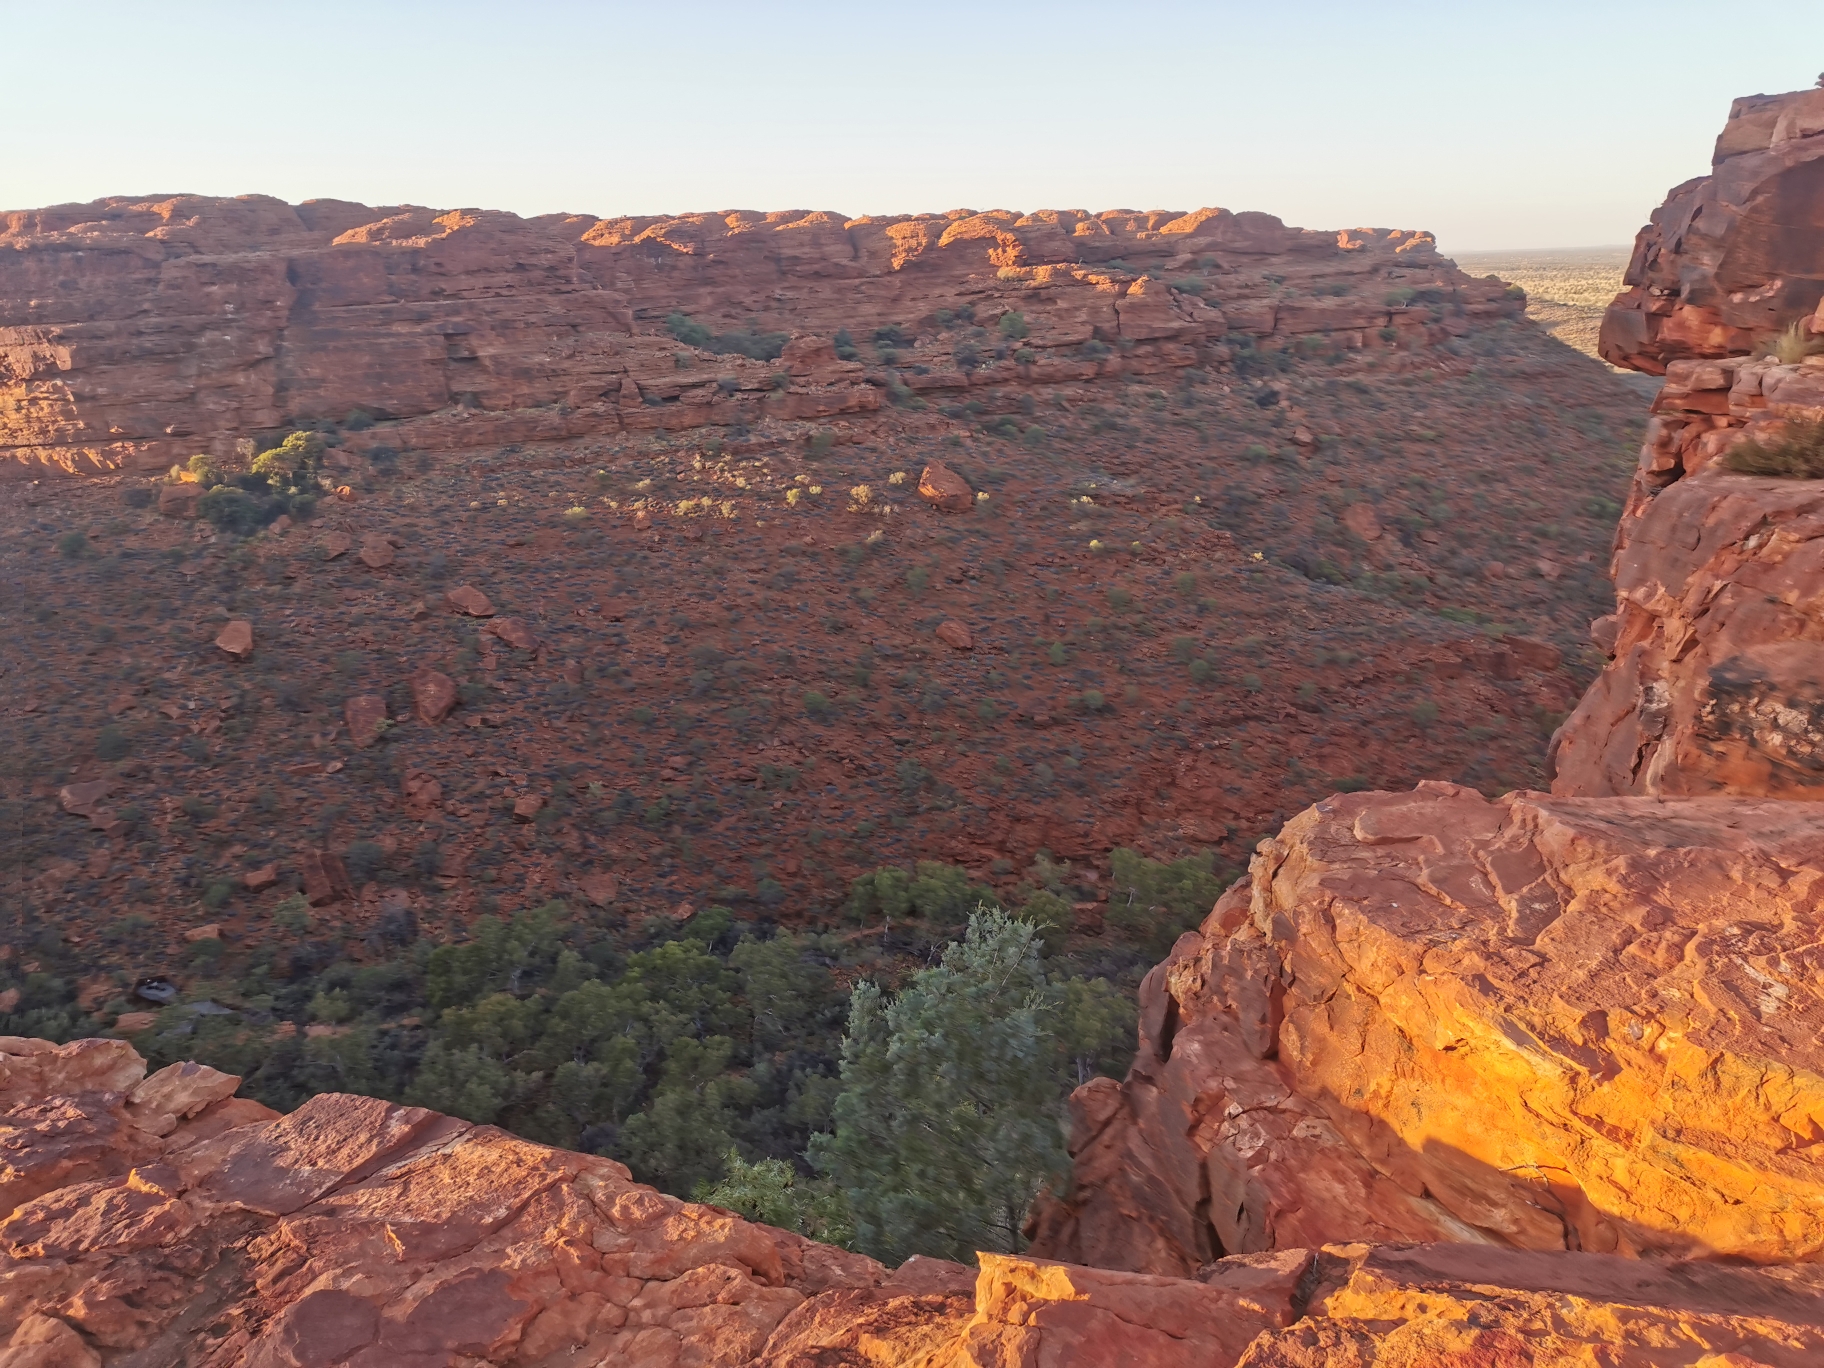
134	333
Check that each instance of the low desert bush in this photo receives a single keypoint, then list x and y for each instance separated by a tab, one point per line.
1797	453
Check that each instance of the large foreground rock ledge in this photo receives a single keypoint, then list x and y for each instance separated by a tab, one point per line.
1539	1023
157	1221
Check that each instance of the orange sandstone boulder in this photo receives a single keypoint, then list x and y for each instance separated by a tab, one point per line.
955	635
1735	256
945	490
434	695
467	599
366	718
236	639
1545	1023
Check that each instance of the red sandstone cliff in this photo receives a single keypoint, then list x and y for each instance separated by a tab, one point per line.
1713	684
136	332
1735	256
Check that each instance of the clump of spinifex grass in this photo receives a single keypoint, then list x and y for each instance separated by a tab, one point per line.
1791	346
1797	453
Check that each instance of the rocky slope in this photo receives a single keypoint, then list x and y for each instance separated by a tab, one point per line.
159	1221
714	673
137	332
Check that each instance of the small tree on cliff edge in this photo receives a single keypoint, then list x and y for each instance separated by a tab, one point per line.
949	1118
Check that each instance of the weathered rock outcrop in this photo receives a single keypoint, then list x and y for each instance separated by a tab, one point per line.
1545	1023
1716	676
134	332
1733	257
164	1221
1713	684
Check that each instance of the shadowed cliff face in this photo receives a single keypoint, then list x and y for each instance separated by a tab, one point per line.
134	333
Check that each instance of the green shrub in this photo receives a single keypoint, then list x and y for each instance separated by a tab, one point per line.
112	744
139	496
1013	325
363	859
948	1121
232	510
74	545
1152	903
756	346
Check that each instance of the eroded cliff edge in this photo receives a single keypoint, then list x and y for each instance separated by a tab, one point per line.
134	332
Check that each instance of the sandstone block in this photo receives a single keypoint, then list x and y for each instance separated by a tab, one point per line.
366	717
945	490
236	639
470	600
179	500
434	695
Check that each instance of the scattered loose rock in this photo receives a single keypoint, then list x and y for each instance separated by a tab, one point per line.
82	799
258	880
334	544
376	553
236	638
179	500
366	718
325	878
514	632
955	635
601	888
434	695
945	490
527	807
210	931
466	598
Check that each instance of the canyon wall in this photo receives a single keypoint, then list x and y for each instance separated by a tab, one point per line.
134	333
1716	645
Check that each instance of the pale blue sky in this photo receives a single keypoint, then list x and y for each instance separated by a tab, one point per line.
1494	125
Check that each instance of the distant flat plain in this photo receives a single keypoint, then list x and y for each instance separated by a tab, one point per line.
1567	289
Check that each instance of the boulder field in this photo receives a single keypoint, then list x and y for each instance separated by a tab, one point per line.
135	332
162	1220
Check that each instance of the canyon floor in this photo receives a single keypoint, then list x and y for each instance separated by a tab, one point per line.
1193	611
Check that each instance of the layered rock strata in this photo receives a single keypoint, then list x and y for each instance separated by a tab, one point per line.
1543	1023
162	1220
1713	682
135	332
1733	257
